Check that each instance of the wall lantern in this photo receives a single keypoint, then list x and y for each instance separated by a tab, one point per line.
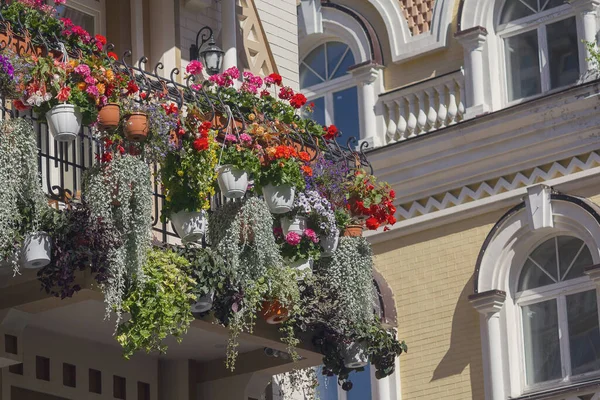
212	55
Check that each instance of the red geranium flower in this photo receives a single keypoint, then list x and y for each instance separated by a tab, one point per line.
298	100
113	55
331	132
19	105
63	94
307	170
132	87
201	144
372	223
286	93
304	156
101	39
276	78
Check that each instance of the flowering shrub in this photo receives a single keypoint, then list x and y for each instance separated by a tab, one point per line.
370	200
188	170
296	246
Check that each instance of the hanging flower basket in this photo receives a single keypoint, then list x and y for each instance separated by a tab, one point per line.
109	116
233	182
280	199
353	231
296	224
136	127
355	355
203	303
190	226
35	252
329	244
273	312
64	122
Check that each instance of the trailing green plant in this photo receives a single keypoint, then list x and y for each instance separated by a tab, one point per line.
80	242
242	233
159	306
207	268
21	195
382	348
119	192
298	382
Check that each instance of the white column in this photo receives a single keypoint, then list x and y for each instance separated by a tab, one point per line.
472	41
368	81
162	35
489	305
137	29
586	16
228	33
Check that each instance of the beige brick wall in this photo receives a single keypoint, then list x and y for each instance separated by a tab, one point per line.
431	275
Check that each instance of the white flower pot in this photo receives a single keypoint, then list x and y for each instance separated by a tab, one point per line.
355	355
329	244
64	122
233	182
190	226
203	303
35	252
280	199
303	266
297	224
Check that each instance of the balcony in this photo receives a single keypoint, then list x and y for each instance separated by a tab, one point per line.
424	107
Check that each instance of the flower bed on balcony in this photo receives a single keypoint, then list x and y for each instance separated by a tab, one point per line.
279	249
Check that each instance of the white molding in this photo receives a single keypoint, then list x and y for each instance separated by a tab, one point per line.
403	45
539	207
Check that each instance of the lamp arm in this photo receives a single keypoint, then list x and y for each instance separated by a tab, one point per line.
205	34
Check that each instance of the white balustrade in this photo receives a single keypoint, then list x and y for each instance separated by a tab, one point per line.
424	107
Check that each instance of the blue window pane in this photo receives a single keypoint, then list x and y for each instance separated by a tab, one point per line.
345	111
308	77
327	386
319	111
343	67
361	385
315	60
335	52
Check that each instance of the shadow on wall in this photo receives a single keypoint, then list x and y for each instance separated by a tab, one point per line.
465	345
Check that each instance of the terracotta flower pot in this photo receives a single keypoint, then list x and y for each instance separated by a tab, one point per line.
274	313
353	231
108	117
136	127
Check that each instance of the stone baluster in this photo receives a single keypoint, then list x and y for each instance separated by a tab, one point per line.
452	104
442	113
391	125
412	116
402	123
422	117
460	96
432	112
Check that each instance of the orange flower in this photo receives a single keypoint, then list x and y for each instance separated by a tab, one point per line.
307	170
110	75
81	86
304	156
101	88
271	151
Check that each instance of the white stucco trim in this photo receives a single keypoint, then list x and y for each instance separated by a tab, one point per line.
403	45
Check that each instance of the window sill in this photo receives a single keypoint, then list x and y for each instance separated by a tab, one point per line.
580	388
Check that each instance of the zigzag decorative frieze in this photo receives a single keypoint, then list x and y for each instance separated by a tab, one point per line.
500	185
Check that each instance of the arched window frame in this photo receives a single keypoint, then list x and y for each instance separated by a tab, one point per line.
498	268
327	89
536	22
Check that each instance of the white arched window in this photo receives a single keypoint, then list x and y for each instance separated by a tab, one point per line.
559	314
540	45
325	81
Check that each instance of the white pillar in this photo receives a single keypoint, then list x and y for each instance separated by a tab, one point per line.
162	35
472	41
586	19
368	82
137	29
228	33
489	305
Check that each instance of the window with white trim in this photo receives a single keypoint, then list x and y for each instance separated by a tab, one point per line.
540	46
89	14
559	314
325	81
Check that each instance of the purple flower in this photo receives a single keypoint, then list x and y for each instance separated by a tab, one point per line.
293	239
7	67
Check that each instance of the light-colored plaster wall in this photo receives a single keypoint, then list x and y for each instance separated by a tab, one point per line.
431	276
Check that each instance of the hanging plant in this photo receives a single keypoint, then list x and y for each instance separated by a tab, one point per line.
23	201
242	233
159	306
81	242
119	192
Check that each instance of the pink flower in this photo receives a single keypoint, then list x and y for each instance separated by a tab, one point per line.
83	70
90	80
277	231
92	91
293	239
195	67
232	73
59	2
309	233
244	137
230	138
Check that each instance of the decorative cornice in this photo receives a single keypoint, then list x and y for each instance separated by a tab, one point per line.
489	302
